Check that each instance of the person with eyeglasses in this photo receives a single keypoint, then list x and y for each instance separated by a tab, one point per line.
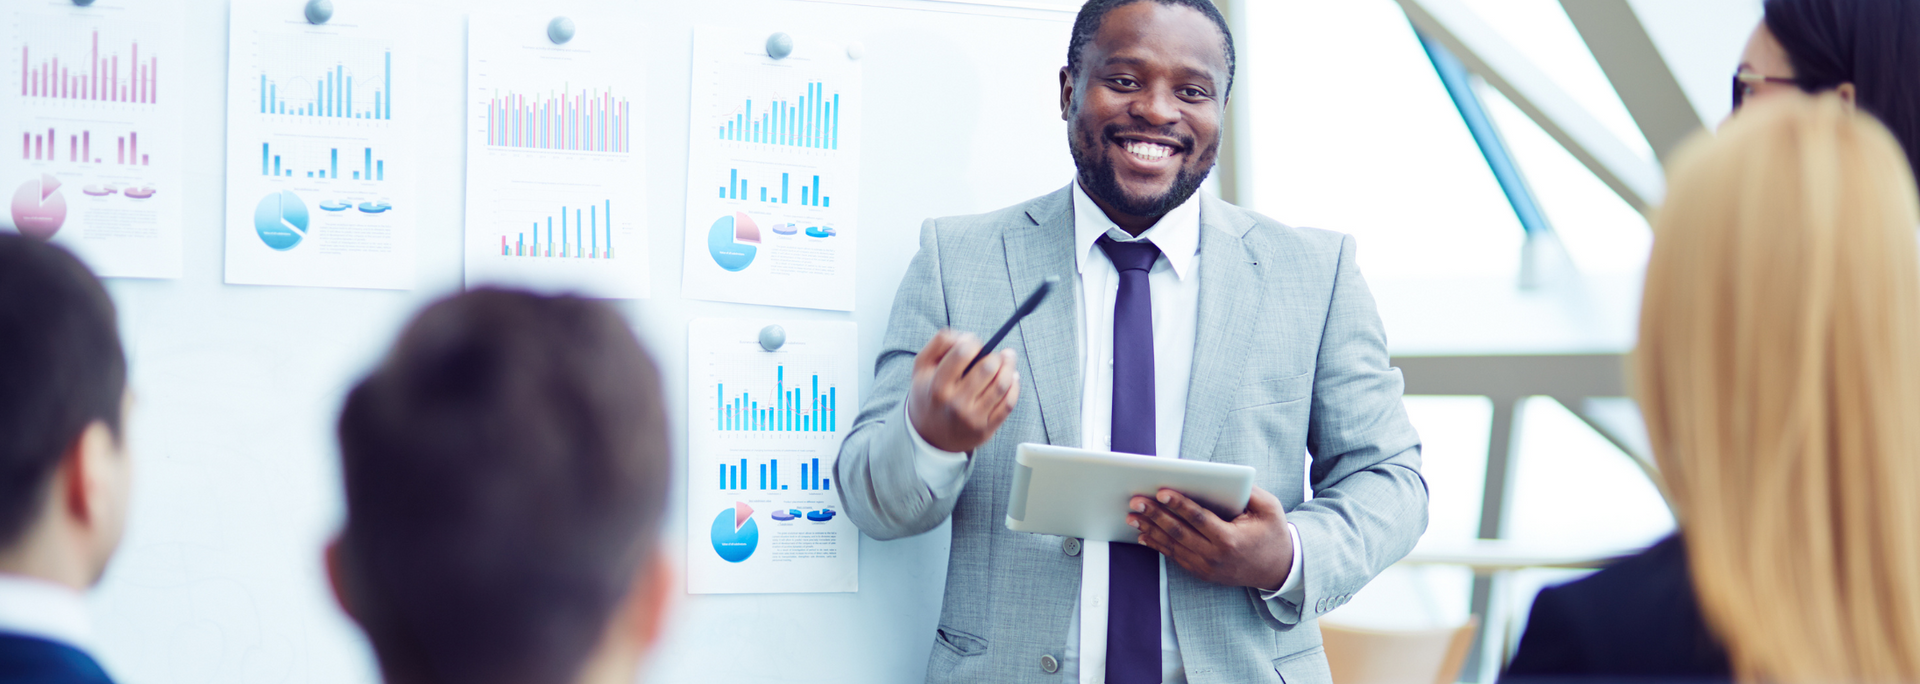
1778	368
1866	51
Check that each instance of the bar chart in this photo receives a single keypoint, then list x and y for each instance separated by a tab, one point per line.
78	148
592	236
589	121
804	192
94	78
788	410
280	164
764	429
765	476
810	119
331	94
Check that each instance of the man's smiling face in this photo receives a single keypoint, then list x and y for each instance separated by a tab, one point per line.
1145	110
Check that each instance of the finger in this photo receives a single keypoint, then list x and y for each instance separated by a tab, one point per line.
1264	505
931	354
977	382
1164	540
1201	519
997	385
1007	402
1157	539
1176	527
953	363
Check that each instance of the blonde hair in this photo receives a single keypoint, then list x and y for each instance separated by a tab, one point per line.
1778	368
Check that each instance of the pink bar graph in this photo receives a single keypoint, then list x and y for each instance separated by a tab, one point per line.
37	146
583	122
99	79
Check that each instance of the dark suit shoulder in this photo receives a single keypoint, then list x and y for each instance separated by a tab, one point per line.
29	660
1636	618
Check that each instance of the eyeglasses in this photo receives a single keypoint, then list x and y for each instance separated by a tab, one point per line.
1744	81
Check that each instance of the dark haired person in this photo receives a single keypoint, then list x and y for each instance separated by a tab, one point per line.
506	470
1192	329
64	471
1866	51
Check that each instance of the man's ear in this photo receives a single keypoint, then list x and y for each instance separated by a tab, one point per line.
1066	94
337	577
651	600
1847	93
86	471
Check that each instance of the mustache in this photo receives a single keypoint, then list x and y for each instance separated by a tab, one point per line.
1185	140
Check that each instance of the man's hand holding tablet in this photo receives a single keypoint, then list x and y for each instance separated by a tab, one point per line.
1251	550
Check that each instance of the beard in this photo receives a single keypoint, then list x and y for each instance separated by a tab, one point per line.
1099	178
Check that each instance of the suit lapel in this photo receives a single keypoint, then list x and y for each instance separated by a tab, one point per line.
1230	298
1040	247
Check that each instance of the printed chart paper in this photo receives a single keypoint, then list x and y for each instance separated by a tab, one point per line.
556	183
764	428
319	148
93	96
773	171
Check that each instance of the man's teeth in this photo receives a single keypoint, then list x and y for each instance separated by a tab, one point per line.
1148	151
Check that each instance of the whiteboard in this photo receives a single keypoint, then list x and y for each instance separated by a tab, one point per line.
237	387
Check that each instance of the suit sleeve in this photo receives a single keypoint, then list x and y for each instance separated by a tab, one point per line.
1549	648
1369	502
891	487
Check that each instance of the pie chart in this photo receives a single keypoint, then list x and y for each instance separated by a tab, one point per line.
39	208
735	535
281	220
733	241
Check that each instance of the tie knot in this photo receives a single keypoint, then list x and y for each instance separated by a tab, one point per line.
1129	256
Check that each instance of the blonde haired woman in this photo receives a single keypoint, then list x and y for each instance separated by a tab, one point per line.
1779	372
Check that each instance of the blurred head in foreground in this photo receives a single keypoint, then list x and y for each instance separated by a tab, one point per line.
64	471
1778	369
506	470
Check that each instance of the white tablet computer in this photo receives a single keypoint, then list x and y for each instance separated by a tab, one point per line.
1083	493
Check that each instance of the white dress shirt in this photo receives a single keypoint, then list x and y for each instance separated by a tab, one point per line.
44	610
1175	285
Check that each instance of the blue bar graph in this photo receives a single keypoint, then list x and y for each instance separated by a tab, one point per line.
765	476
592	235
802	408
332	95
811	121
272	164
737	188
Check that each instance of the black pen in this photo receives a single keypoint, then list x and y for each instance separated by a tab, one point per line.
1026	307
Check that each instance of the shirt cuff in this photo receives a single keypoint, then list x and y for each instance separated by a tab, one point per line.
1290	590
943	470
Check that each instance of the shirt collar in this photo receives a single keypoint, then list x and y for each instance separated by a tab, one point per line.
44	610
1177	234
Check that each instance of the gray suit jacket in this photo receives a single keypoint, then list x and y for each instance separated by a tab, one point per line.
1289	360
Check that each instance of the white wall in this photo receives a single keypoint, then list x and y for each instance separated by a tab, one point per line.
220	580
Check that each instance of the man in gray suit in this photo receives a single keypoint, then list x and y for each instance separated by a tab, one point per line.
1192	329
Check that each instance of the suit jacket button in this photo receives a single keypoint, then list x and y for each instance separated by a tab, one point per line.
1048	664
1071	546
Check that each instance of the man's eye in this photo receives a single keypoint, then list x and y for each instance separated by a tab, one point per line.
1124	82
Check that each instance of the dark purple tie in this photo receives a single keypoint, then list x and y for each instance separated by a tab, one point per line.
1133	579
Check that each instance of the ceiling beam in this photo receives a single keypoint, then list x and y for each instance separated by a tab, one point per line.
1484	52
1642	77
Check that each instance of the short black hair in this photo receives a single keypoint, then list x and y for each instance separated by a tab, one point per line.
1873	44
1094	13
65	369
505	470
